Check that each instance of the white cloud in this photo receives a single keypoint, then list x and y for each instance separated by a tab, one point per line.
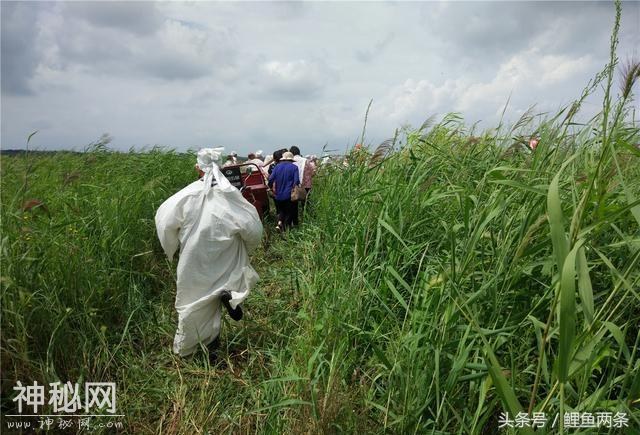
523	73
136	17
560	68
406	101
297	78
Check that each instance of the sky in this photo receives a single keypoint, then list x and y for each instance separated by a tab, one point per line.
268	75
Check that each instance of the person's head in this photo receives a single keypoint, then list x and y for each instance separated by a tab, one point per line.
277	155
259	154
288	156
251	156
295	150
229	158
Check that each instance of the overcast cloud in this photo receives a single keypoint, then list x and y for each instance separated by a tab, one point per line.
264	75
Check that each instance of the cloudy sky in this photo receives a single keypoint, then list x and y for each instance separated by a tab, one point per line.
265	75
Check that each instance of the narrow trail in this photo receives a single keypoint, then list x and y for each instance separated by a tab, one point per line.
226	396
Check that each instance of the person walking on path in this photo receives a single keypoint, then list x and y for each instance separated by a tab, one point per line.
273	161
215	229
299	161
284	177
306	171
252	159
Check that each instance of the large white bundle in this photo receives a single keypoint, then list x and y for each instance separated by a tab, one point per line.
216	229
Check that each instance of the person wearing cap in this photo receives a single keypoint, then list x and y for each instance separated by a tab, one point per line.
215	229
284	177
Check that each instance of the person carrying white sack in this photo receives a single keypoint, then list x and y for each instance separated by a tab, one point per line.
216	229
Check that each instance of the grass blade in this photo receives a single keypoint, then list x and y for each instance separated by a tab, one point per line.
567	312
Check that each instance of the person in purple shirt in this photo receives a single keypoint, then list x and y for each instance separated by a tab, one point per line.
282	180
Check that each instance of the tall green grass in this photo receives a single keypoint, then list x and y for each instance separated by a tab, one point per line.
83	291
453	281
446	278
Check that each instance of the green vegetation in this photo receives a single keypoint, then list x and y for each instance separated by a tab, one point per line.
435	283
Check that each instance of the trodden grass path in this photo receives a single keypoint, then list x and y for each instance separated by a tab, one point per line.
241	389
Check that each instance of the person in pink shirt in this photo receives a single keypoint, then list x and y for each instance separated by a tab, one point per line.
307	176
306	168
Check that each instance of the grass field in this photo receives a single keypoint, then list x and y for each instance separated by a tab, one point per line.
438	280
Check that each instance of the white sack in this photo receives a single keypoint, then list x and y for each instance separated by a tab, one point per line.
216	229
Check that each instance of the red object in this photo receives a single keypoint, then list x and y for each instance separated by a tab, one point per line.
255	189
252	185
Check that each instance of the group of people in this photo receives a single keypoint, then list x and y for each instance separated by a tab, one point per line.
286	170
283	171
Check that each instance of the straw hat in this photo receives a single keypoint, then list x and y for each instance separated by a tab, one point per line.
287	156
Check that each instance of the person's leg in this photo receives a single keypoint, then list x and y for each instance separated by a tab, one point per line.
286	214
303	205
277	207
280	214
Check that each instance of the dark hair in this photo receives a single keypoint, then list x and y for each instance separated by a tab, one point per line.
277	155
251	156
295	150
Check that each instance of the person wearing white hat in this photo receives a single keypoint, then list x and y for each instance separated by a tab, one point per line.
215	229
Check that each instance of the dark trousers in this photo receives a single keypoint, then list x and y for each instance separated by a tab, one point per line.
287	211
277	205
294	213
